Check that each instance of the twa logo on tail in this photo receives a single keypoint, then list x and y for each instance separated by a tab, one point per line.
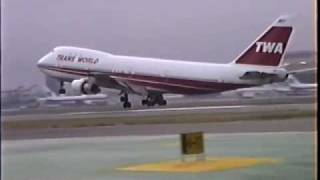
269	47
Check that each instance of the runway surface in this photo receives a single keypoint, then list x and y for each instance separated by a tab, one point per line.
127	113
174	104
182	109
274	125
95	144
211	119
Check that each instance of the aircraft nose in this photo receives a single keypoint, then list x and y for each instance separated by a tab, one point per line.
40	63
44	61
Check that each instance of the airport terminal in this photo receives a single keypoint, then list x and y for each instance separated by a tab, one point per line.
97	114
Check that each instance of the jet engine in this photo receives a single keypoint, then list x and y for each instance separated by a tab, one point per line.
84	86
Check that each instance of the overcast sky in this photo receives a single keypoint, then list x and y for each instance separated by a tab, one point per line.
206	30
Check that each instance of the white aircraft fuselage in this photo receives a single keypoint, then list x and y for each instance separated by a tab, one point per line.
167	76
88	69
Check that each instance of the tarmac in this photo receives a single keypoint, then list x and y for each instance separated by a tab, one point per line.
242	141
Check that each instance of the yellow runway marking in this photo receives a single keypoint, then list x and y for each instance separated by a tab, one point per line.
210	165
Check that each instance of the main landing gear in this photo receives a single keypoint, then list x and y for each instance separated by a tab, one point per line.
125	100
62	90
153	100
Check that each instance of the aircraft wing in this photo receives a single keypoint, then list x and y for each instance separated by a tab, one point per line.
137	85
104	79
124	82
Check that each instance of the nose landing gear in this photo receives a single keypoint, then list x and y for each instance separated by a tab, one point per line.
62	90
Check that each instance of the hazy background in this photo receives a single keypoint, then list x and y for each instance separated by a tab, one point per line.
206	30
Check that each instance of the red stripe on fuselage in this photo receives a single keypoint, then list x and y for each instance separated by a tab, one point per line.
69	71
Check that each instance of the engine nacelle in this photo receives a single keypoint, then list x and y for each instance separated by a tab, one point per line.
84	87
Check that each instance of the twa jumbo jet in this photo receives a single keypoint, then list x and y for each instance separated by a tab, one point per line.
89	70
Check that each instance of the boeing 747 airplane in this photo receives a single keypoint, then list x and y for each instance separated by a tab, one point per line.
89	70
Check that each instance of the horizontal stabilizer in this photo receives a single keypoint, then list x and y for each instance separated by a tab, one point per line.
255	75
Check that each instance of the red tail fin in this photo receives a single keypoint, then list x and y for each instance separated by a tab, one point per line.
269	48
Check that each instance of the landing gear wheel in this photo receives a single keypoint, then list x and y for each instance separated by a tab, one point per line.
162	103
125	100
122	99
154	99
144	102
62	91
127	105
150	103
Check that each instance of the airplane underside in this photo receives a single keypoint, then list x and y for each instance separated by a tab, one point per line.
88	70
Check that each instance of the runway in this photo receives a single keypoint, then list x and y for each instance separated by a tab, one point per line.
124	113
182	106
161	110
174	104
99	144
275	125
157	121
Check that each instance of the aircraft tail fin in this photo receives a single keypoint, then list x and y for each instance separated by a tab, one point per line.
269	48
